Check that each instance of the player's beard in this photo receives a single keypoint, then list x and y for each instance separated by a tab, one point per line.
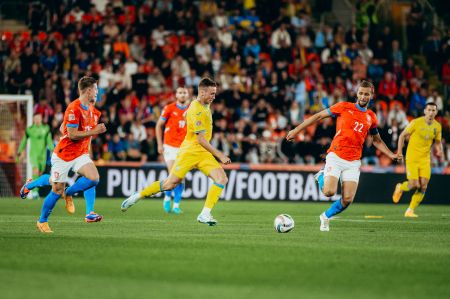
360	103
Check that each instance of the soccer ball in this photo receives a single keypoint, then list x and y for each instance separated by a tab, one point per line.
283	223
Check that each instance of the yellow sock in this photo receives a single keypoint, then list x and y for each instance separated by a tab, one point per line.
213	195
404	186
152	189
416	199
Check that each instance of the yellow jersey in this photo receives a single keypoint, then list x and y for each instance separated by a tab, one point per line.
198	119
422	138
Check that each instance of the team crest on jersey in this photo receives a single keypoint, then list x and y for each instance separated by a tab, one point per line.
198	123
71	117
95	118
369	119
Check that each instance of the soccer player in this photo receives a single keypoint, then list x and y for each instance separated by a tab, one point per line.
89	194
423	132
354	122
40	139
72	150
195	152
172	118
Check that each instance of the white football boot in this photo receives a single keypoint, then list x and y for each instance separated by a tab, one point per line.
324	223
207	219
130	201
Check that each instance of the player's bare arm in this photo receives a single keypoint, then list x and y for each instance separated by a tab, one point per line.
401	142
215	152
438	149
159	134
74	134
379	144
313	119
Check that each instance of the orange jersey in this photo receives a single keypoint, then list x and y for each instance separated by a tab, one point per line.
175	126
353	125
78	116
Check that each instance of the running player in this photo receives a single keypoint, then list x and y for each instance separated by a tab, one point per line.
40	139
89	194
354	122
172	118
195	152
72	150
424	132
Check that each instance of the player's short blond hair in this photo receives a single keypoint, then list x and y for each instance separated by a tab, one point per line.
365	84
207	82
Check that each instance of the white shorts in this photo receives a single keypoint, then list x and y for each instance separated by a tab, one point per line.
170	152
340	168
60	168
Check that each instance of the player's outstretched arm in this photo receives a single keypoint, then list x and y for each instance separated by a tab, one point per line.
379	144
159	134
313	119
74	134
215	152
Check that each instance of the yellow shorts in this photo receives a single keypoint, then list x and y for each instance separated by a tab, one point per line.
418	168
186	161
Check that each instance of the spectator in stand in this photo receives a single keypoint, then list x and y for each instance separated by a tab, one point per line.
397	53
436	98
387	88
397	115
418	101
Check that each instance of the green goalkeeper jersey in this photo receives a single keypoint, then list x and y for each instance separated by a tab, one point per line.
40	139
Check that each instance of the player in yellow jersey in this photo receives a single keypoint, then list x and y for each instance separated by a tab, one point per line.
424	132
195	152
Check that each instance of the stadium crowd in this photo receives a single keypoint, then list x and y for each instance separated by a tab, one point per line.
274	62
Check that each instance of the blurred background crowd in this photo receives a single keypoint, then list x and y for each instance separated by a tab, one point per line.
276	62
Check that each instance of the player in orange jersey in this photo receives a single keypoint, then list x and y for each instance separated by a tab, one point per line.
72	151
174	123
354	123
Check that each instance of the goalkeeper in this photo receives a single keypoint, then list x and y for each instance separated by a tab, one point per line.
40	139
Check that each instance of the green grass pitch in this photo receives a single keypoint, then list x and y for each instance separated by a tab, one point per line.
146	253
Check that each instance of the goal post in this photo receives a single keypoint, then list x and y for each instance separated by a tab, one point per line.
16	114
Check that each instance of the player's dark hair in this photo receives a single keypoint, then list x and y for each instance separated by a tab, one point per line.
207	82
430	103
86	82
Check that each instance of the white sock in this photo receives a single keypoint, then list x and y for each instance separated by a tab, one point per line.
176	205
166	198
206	211
410	210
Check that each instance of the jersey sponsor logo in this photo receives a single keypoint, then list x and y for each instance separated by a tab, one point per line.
71	117
199	113
350	111
174	113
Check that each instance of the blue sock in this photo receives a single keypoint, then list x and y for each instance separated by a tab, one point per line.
177	193
81	184
89	196
168	193
49	204
335	209
320	181
43	180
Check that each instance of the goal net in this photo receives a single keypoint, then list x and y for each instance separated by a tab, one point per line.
16	113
